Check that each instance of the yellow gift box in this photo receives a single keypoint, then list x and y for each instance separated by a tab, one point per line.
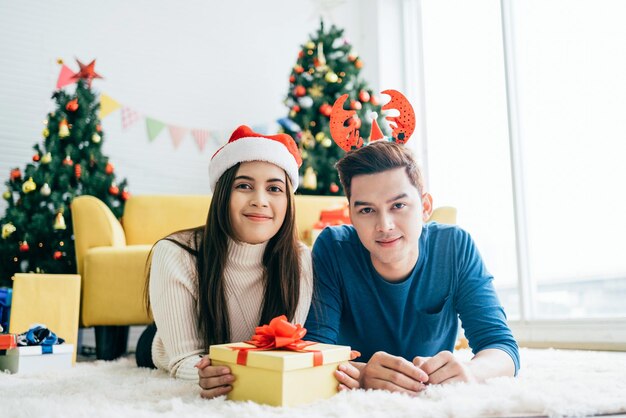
281	377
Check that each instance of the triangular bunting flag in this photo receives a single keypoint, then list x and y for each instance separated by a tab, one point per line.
219	138
66	76
177	133
200	137
154	128
129	117
107	106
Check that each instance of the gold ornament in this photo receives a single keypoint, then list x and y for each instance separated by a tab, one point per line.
95	138
29	185
6	195
45	133
309	181
331	77
64	130
316	91
47	157
60	61
309	45
320	136
292	114
45	190
7	230
327	142
59	221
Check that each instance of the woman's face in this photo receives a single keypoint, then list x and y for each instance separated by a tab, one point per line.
258	202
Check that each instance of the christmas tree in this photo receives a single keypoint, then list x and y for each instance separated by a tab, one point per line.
327	68
37	228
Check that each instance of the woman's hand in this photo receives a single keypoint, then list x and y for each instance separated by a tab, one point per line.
214	380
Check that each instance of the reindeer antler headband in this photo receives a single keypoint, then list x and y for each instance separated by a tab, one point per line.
344	127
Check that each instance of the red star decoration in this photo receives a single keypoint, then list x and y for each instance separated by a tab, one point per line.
87	72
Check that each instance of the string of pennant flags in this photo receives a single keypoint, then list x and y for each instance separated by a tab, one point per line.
129	116
154	127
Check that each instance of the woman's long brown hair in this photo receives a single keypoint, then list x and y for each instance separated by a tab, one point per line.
209	246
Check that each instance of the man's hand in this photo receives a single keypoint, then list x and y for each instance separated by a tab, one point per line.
392	373
214	380
444	368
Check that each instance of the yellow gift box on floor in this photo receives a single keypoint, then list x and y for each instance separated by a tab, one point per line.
281	377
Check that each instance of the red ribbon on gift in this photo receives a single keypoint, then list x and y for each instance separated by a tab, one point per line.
280	334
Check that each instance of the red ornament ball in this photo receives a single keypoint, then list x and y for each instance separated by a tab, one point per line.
114	190
300	54
295	108
326	109
125	195
57	255
357	123
358	64
299	91
36	157
109	168
78	171
98	128
333	188
24	247
298	69
16	174
68	161
356	105
374	100
292	78
364	96
72	105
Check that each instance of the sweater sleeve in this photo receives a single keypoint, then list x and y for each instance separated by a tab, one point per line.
324	317
480	311
173	297
306	285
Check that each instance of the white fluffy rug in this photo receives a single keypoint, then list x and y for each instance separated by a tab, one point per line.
551	382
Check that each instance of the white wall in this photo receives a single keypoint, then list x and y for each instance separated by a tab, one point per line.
196	64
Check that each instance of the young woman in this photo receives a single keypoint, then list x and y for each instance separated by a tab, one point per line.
214	284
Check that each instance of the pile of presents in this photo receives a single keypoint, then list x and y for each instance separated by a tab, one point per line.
35	350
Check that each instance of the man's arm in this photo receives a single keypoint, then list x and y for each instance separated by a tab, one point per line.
445	368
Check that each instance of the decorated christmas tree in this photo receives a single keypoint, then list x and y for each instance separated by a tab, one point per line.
37	228
327	68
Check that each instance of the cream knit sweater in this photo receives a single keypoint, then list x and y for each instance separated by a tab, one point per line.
177	346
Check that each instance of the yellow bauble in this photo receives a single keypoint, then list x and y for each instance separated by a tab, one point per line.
309	45
59	222
6	195
319	136
29	185
331	77
327	142
47	157
45	133
7	230
64	130
95	138
309	181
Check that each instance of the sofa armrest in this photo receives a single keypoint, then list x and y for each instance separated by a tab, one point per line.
444	215
113	286
94	226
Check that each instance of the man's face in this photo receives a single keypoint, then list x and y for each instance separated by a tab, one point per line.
388	212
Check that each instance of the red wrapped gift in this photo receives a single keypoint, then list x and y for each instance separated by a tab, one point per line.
8	341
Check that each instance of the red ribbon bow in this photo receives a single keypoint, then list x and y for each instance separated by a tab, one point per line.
279	334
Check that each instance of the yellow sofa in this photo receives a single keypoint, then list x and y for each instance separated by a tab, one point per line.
111	255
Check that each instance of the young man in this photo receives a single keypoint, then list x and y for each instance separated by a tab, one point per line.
394	287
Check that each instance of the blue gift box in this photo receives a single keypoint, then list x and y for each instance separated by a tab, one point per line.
6	294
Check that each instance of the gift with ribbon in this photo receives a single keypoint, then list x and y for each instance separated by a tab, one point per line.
278	367
34	350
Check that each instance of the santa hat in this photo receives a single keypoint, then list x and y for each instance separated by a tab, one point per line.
246	145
